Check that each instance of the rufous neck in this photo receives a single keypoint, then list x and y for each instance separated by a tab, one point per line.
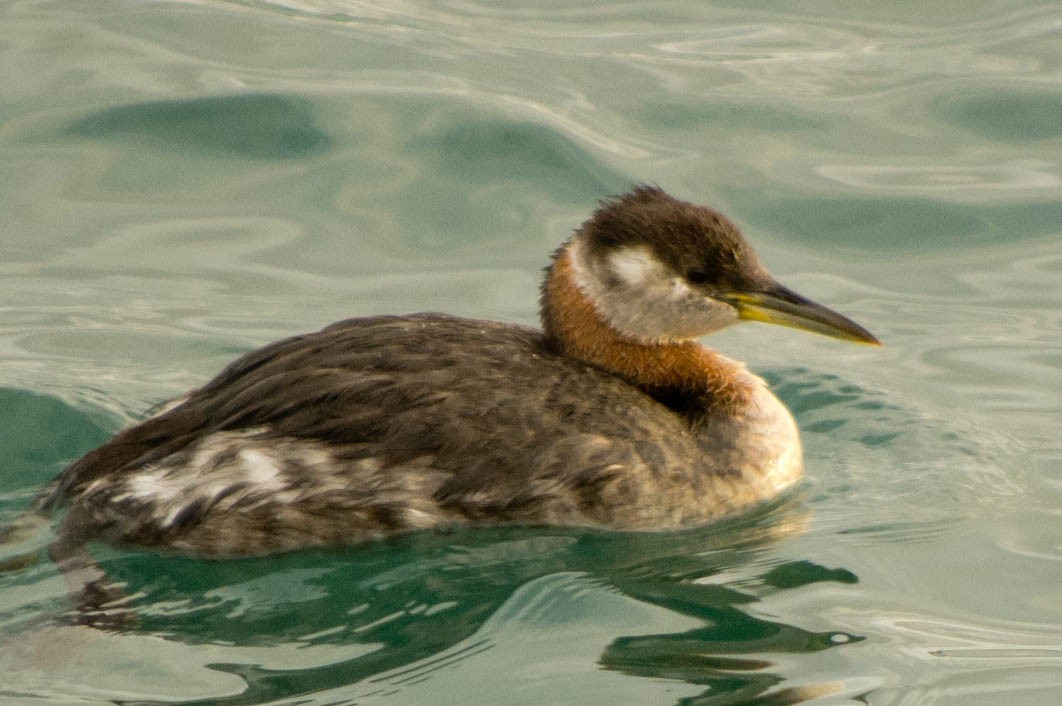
575	328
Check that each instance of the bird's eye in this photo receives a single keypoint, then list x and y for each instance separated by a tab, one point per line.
696	275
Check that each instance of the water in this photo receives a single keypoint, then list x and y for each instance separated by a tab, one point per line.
183	181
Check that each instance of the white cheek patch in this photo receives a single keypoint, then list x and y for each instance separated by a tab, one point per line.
636	266
641	297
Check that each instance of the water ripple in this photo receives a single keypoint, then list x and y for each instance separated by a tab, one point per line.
928	179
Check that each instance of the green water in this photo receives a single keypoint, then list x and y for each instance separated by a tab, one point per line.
183	181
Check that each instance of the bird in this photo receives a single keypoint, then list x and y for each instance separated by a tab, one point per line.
613	415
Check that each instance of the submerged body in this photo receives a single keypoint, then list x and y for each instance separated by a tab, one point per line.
611	416
376	425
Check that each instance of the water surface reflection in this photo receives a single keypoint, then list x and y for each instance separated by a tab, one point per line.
528	611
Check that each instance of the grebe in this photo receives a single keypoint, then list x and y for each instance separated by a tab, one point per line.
611	416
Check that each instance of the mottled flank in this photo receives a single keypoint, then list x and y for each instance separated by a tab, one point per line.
247	491
612	416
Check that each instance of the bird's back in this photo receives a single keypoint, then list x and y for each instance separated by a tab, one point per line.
389	423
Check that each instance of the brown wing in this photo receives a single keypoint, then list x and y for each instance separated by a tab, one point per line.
385	423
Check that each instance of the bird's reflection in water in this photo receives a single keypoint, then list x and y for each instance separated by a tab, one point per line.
420	603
